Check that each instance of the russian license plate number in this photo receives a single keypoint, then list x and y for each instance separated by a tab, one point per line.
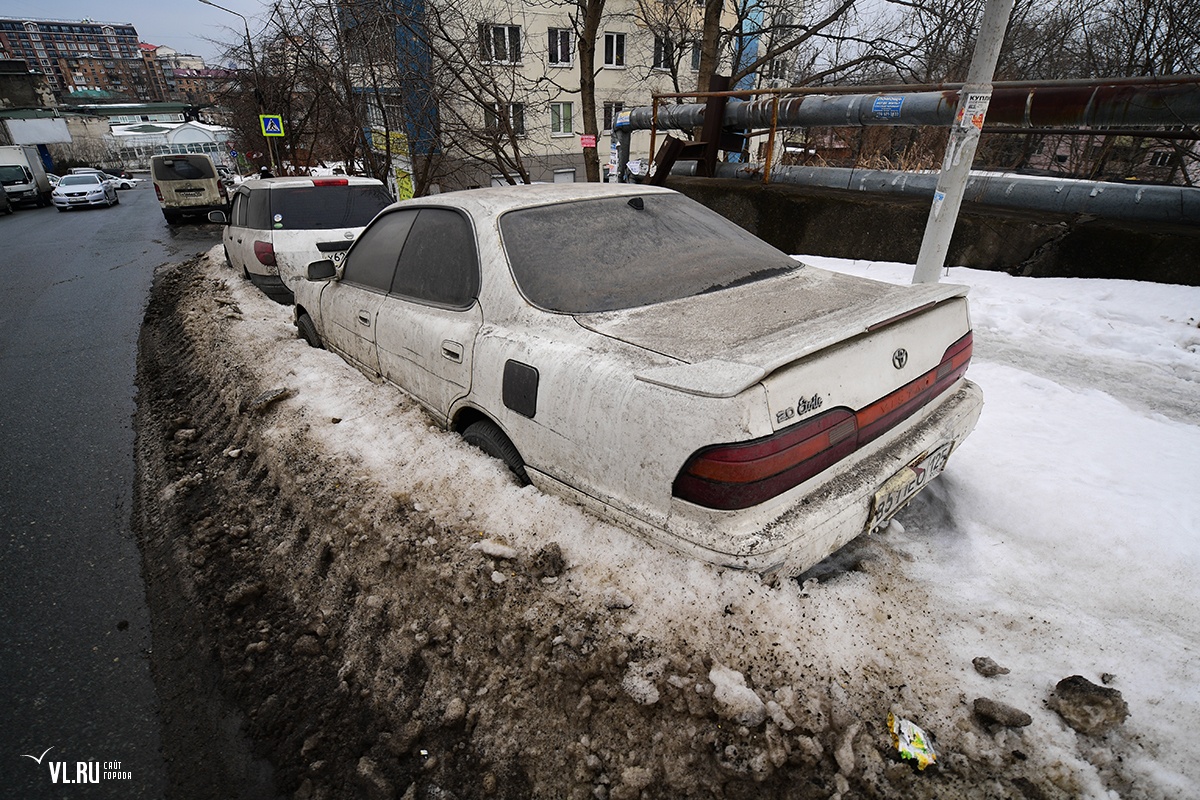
897	490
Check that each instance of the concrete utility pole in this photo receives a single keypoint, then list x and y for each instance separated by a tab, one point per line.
964	138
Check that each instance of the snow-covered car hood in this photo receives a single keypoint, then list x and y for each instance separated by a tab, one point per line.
730	339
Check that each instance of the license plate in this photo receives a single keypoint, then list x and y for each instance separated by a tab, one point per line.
897	490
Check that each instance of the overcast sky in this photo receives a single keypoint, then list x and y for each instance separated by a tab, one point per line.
186	25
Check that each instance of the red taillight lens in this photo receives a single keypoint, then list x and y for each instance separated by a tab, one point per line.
739	475
158	192
331	182
265	253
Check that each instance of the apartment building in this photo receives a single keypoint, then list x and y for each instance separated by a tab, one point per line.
76	54
504	80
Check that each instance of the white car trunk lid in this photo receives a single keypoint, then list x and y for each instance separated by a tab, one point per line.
775	322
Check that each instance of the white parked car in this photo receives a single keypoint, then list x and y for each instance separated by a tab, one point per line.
276	226
122	183
83	189
631	350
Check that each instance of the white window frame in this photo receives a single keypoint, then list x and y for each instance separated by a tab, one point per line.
511	38
555	39
613	59
664	54
556	110
611	110
493	112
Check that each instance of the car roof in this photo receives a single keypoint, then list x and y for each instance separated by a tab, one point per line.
496	200
306	180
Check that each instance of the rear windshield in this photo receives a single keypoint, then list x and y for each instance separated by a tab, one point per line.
605	254
325	207
183	168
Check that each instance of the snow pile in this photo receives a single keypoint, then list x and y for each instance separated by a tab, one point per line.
1064	538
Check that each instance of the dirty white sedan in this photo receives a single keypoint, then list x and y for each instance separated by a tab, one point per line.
630	349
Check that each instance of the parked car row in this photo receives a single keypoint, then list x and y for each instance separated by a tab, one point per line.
629	349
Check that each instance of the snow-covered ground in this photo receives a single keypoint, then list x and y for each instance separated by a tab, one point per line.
1063	539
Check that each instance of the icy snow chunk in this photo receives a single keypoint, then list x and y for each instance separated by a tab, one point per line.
498	578
735	699
495	548
639	686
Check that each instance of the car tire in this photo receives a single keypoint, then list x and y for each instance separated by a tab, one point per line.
307	329
488	437
171	217
60	208
228	262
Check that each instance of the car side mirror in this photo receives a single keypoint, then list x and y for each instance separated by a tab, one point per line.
218	216
321	270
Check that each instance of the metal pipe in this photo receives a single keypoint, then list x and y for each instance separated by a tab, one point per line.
1094	105
1121	201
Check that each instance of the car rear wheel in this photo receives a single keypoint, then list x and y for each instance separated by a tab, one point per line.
488	437
308	331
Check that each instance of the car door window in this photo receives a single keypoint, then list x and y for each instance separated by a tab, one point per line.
238	214
372	260
438	264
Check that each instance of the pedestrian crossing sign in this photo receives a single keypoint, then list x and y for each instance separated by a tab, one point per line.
272	124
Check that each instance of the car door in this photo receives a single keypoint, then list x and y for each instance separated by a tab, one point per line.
236	232
350	305
427	325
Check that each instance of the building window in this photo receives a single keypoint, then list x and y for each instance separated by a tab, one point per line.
778	70
559	53
664	53
1160	158
697	48
500	44
560	119
614	50
611	111
505	118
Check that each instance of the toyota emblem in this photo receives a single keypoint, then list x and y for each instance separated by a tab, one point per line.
900	358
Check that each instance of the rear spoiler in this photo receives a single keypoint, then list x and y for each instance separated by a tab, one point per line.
742	368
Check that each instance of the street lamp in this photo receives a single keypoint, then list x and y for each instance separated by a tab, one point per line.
258	100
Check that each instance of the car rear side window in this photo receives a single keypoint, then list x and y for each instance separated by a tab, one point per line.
609	253
183	168
258	210
326	207
438	263
371	262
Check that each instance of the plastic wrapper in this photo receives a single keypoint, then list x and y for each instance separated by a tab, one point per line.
911	742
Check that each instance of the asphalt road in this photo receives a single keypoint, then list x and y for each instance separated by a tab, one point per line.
75	675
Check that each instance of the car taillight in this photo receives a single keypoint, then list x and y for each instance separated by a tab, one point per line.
265	253
331	182
221	188
158	192
734	476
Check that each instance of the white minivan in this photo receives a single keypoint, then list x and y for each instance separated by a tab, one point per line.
277	226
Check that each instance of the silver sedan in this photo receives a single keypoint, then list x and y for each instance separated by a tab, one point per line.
88	189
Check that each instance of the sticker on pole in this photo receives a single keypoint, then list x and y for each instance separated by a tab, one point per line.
272	124
587	141
974	110
887	107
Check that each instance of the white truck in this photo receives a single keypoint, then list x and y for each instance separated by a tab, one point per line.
23	176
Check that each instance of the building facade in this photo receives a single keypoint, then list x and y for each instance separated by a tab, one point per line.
77	53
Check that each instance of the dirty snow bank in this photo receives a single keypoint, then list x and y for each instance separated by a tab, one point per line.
1061	540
